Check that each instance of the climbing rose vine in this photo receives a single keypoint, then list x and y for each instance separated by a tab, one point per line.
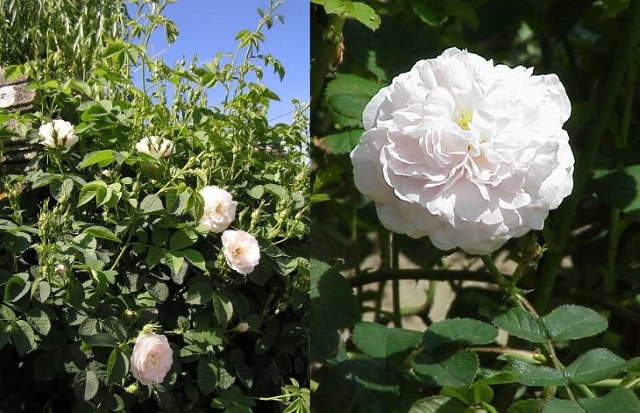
465	151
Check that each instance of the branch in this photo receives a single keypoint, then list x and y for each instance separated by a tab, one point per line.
420	274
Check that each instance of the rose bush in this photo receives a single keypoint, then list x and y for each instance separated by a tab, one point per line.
119	292
419	167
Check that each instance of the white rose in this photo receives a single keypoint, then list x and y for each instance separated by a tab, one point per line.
241	250
151	358
57	134
465	151
155	146
219	208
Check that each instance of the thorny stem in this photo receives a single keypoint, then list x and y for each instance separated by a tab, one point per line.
588	156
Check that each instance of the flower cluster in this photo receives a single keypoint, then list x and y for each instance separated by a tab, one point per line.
465	151
241	249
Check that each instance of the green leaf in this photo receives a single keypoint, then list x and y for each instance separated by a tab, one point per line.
521	324
182	239
532	375
45	179
117	366
342	142
363	13
458	332
86	384
195	258
151	203
203	338
5	333
453	370
431	12
15	289
100	340
207	376
437	404
153	257
476	394
332	301
104	158
352	85
378	341
75	293
223	308
256	192
571	322
595	365
101	232
23	337
92	190
277	190
174	260
562	406
616	401
199	292
620	188
526	406
39	320
348	106
113	48
61	190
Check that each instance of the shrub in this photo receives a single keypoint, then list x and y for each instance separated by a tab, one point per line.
102	242
403	324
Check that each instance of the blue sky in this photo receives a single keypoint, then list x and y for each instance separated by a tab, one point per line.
209	26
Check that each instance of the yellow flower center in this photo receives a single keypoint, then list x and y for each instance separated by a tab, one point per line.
463	118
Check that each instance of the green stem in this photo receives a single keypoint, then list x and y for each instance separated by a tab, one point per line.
615	383
591	147
495	273
617	228
395	283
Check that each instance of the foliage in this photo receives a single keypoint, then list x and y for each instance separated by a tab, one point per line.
100	240
573	347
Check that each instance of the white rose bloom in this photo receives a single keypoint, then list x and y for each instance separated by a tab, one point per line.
241	250
151	358
219	208
155	146
57	134
465	151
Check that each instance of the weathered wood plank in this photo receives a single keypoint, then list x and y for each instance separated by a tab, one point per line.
16	97
16	153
